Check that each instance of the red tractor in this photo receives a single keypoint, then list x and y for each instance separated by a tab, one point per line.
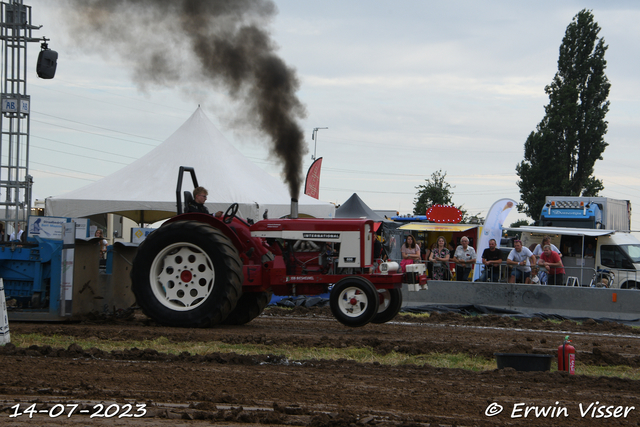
197	270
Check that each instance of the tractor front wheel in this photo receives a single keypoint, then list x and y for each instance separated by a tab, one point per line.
390	305
354	301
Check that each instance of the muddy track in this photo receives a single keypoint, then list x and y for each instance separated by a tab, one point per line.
229	389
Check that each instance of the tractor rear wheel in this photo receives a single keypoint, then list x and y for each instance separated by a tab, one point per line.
249	306
187	274
390	305
354	301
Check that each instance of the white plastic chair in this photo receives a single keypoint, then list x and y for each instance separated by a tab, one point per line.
572	281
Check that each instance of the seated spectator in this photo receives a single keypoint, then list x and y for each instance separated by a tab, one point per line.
491	259
465	259
534	279
522	259
440	258
552	262
589	251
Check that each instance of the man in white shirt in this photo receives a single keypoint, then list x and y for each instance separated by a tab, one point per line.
522	259
465	258
537	251
16	236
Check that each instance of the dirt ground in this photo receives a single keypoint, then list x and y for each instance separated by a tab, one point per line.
228	389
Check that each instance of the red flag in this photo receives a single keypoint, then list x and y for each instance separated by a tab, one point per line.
312	183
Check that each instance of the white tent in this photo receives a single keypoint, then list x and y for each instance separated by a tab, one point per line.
145	190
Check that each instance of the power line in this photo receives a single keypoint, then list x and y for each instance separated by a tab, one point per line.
71	170
80	155
94	133
61	174
79	146
97	127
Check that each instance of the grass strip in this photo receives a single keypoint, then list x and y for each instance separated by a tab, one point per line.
358	354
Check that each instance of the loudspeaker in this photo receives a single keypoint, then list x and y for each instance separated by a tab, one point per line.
47	62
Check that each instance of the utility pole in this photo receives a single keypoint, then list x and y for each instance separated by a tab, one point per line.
15	181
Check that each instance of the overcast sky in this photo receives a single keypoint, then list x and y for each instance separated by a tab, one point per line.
405	88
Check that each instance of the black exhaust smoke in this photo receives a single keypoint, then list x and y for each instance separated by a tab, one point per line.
223	44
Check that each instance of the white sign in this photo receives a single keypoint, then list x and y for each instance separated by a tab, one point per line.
24	106
10	105
138	234
50	227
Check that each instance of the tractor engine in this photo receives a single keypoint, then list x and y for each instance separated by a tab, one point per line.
312	247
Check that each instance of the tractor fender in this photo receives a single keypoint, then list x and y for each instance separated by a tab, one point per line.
237	231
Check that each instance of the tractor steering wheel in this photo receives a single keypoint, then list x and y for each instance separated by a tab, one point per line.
230	213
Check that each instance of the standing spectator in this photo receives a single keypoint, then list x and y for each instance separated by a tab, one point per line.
425	254
546	240
410	252
16	236
552	262
2	234
103	244
491	259
440	257
465	258
522	259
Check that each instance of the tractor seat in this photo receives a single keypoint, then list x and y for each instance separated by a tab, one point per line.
188	197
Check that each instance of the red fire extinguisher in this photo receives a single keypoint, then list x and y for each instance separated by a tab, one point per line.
567	357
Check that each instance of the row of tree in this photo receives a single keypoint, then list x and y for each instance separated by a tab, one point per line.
559	156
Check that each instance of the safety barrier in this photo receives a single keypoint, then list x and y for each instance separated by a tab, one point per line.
569	301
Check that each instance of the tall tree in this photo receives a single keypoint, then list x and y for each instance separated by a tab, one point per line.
435	191
560	155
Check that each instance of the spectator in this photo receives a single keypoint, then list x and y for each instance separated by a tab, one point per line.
410	252
103	244
552	262
589	251
491	259
546	240
522	259
534	279
465	258
440	258
16	236
426	252
429	262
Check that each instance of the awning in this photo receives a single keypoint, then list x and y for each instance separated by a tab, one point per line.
446	228
565	231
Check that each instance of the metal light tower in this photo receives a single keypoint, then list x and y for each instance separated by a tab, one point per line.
15	181
314	136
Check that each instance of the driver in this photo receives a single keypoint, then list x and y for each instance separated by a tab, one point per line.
199	197
197	204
